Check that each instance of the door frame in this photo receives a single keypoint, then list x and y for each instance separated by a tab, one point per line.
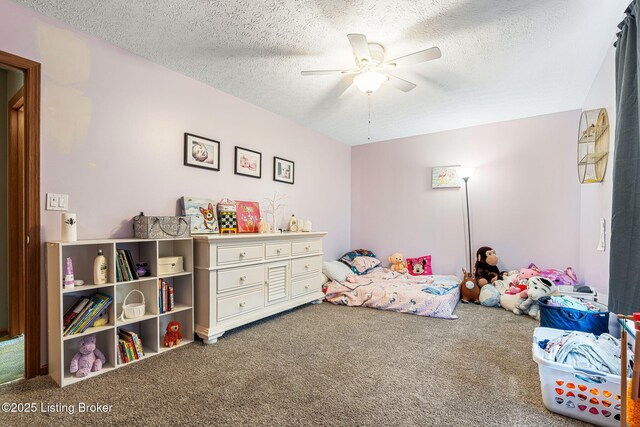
27	250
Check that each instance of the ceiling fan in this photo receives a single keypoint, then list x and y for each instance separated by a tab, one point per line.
373	70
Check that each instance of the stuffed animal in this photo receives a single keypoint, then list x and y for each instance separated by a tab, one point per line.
504	284
397	263
524	275
88	358
263	226
469	289
102	319
511	302
489	296
486	268
173	335
537	287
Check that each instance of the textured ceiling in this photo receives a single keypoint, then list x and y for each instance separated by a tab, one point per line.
502	59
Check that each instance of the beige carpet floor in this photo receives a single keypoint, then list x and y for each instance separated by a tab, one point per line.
322	365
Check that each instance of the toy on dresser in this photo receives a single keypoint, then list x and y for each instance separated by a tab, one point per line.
227	216
88	358
173	335
469	289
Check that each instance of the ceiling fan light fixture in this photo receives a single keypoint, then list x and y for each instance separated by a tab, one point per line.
369	81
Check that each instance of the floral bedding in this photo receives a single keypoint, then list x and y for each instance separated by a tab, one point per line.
381	288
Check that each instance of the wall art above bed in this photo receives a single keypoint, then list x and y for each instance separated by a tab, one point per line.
445	177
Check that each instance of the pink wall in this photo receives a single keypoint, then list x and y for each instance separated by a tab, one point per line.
112	138
525	197
595	199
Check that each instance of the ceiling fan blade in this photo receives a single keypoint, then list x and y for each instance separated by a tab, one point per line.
399	83
324	72
360	47
416	57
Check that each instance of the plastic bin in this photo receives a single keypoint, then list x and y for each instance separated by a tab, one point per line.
582	394
569	319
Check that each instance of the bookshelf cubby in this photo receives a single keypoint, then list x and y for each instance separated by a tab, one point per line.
150	327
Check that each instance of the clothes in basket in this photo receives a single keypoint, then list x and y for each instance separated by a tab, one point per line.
586	351
571	314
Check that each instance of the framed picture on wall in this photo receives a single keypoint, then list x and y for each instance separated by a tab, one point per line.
445	177
248	163
283	170
201	152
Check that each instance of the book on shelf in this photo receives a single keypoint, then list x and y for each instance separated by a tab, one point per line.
166	299
94	307
75	309
126	267
129	346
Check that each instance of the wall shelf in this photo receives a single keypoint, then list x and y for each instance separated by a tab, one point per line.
593	146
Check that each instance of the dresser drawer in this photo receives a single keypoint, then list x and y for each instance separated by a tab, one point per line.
277	250
231	254
306	265
305	285
306	247
240	277
239	304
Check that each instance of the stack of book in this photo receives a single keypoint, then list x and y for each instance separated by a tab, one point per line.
84	312
125	267
129	346
165	296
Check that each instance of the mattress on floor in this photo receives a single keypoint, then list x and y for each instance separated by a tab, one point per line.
386	290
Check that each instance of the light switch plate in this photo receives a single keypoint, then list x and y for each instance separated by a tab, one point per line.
57	202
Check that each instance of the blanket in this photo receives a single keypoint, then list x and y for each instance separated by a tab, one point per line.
381	288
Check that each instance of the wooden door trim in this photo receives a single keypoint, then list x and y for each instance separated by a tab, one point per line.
31	232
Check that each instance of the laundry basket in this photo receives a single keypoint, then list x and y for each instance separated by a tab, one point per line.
569	319
133	310
586	395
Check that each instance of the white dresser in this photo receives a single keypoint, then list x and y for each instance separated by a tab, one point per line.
240	278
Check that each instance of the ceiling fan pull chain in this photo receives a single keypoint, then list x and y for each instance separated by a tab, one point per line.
369	117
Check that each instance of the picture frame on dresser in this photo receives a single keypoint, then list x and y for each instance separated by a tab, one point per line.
283	170
201	152
248	163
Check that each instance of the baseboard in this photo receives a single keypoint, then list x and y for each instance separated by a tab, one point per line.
4	331
44	369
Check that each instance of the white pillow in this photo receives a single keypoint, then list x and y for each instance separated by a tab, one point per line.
335	270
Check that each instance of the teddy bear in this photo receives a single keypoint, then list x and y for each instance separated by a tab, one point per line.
173	335
397	263
88	358
537	287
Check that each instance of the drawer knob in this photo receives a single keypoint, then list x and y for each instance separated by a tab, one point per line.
279	250
307	247
243	277
306	286
242	303
243	254
306	266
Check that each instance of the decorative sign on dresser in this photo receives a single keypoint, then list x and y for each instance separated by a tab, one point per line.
241	278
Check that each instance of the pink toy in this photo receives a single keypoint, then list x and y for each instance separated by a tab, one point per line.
558	277
88	358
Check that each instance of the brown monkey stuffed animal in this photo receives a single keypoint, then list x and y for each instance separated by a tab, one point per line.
487	270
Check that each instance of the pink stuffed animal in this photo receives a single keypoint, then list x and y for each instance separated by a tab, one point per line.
520	282
88	358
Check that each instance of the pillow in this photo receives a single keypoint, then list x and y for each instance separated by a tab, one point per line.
420	266
364	264
335	270
558	277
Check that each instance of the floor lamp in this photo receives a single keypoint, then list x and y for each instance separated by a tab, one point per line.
465	174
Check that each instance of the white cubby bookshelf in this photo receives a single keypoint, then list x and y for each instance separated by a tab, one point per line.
150	328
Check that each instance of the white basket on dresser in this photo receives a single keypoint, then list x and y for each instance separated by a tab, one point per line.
241	278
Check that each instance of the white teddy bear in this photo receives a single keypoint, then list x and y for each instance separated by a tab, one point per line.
537	287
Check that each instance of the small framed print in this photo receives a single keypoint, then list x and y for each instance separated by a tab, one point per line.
445	177
283	170
248	163
201	152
